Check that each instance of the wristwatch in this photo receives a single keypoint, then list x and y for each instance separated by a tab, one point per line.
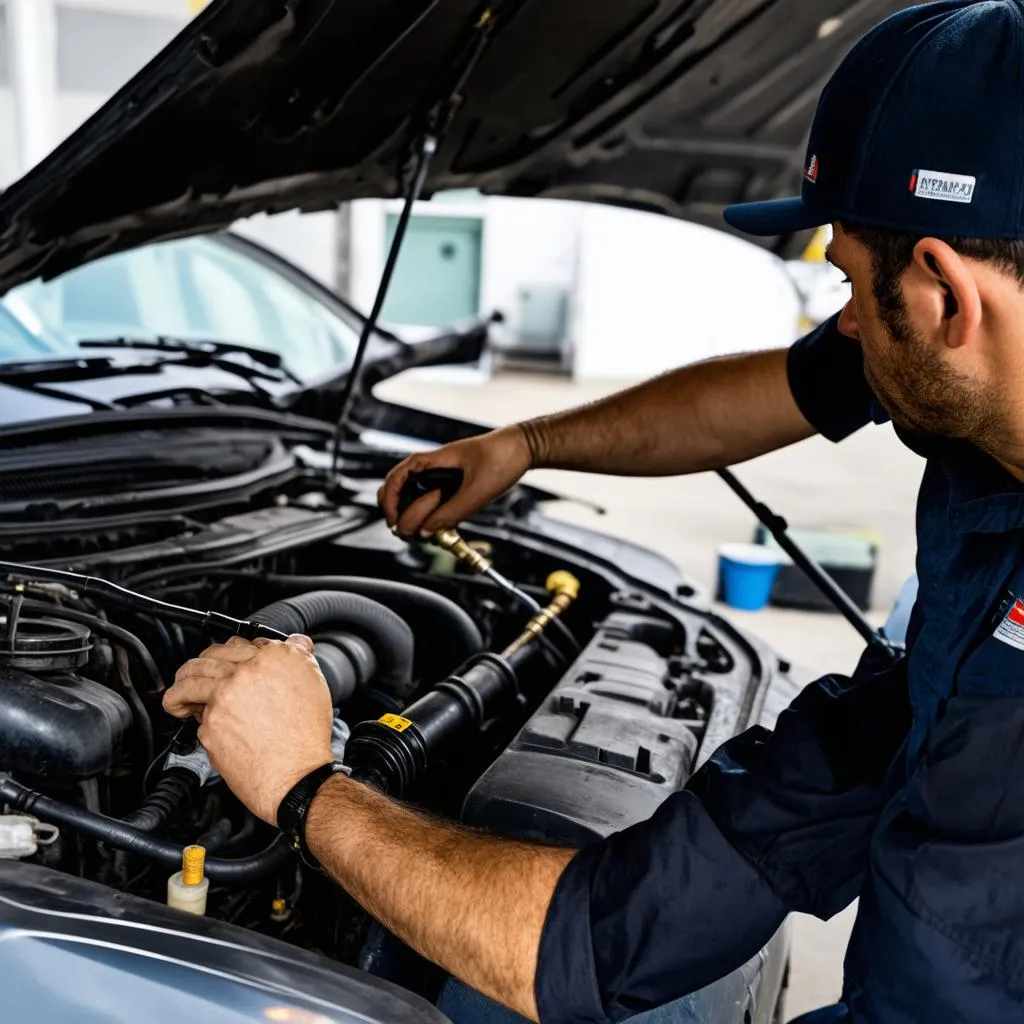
292	811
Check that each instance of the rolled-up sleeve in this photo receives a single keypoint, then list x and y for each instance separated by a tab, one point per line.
774	822
826	377
637	920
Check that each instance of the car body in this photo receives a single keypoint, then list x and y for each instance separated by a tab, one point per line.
211	472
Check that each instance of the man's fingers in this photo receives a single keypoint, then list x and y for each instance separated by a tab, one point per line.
301	640
448	515
418	512
392	489
235	651
195	683
189	711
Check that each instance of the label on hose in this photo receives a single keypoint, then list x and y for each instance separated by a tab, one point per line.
396	722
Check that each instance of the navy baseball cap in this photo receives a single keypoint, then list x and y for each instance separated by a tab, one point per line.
920	130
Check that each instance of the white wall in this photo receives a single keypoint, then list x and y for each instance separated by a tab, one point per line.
647	293
525	242
8	139
654	293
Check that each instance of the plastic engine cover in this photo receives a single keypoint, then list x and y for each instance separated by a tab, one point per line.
602	752
59	727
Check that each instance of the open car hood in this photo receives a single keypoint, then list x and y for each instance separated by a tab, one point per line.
675	106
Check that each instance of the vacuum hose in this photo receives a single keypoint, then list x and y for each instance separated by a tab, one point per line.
175	790
391	753
126	837
376	642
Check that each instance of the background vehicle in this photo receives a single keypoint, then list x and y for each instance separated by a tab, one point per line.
218	286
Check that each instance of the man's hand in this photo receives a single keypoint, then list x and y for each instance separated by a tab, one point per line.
473	903
265	711
490	465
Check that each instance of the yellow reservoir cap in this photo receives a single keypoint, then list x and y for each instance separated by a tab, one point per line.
563	582
193	865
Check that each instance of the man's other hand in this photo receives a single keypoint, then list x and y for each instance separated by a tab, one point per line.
490	465
265	711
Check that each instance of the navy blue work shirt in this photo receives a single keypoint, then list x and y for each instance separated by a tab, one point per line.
903	786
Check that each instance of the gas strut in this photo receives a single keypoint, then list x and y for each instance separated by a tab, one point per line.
391	753
442	102
779	529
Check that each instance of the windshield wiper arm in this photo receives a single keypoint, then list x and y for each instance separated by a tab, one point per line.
63	371
211	349
34	376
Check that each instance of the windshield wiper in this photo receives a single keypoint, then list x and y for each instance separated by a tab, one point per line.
34	375
211	349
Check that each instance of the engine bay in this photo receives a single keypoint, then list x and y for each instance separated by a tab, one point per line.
560	733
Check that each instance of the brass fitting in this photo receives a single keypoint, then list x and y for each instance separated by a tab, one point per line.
563	588
451	540
563	583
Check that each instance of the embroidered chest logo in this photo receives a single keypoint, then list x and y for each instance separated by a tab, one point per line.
1011	629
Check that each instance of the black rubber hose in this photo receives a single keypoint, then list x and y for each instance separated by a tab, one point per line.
174	790
387	633
125	837
439	615
215	838
142	720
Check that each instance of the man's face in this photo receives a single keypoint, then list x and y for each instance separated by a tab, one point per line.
904	363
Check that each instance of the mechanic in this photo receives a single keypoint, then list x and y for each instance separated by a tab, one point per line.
903	786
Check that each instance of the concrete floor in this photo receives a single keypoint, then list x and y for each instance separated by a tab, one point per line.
869	482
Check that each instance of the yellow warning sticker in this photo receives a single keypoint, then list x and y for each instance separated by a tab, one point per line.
396	722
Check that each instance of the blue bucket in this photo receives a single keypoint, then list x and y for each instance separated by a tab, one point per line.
748	574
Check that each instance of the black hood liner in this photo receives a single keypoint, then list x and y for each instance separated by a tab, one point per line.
675	106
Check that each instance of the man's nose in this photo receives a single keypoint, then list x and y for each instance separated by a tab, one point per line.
848	322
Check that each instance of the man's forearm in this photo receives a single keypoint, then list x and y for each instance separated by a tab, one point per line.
402	867
701	417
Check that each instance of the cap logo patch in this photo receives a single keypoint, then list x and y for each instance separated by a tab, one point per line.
811	173
950	188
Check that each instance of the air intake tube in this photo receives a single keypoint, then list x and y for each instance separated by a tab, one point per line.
355	638
391	753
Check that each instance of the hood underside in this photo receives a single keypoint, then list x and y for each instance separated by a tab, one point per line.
673	106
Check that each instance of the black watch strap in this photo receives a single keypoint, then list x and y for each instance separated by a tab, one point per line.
291	814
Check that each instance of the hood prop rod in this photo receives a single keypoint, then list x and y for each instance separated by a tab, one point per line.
439	117
425	154
843	603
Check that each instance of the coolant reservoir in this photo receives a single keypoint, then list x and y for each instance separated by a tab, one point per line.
187	888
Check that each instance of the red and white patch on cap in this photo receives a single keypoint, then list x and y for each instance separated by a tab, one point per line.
1011	629
811	173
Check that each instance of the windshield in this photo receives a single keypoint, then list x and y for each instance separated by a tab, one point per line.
201	289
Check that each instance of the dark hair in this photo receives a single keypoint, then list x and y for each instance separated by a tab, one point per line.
891	254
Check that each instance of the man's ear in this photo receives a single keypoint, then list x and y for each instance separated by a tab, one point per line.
950	291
